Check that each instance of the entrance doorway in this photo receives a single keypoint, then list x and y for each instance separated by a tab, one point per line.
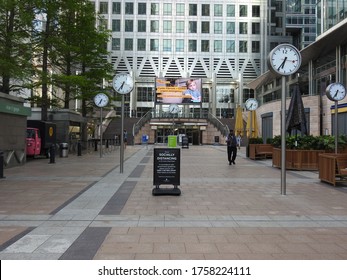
194	134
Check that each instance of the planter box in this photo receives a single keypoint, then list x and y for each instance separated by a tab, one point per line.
332	167
297	159
260	151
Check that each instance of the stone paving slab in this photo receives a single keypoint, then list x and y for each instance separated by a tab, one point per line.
84	208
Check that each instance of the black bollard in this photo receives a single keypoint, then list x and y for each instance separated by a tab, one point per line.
52	154
1	165
79	148
96	145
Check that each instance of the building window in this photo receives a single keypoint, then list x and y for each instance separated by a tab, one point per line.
193	27
230	27
128	44
167	9
242	46
218	10
115	44
255	47
141	44
103	8
144	94
243	10
167	26
243	27
179	26
103	23
255	27
129	8
141	8
167	46
115	25
205	10
205	27
217	46
218	27
154	44
255	11
116	7
230	46
141	26
179	45
180	10
205	45
193	9
129	25
192	45
155	26
230	10
154	9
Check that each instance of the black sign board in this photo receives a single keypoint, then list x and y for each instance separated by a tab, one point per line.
166	170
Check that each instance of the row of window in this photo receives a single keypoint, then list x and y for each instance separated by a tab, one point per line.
167	26
180	9
181	45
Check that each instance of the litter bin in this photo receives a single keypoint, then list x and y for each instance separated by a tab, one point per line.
64	149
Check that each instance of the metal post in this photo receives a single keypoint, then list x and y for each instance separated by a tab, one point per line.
122	138
335	128
283	138
100	131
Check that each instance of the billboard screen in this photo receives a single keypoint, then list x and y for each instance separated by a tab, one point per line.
178	91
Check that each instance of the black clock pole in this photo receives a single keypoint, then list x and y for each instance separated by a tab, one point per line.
122	138
335	127
283	138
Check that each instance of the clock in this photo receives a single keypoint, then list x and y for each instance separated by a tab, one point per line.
101	100
174	109
251	104
284	59
336	91
123	83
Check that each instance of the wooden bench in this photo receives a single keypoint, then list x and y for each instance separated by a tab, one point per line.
332	168
260	151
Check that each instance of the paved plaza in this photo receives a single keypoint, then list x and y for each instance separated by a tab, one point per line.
82	207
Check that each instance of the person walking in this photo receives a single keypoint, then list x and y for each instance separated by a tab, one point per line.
125	138
231	147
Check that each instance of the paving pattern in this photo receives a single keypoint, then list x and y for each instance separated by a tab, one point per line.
82	207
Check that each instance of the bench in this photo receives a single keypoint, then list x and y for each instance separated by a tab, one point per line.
260	151
333	168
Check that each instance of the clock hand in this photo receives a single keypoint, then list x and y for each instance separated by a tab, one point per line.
121	86
282	64
336	93
100	101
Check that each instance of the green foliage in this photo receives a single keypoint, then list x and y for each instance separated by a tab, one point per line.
256	140
309	142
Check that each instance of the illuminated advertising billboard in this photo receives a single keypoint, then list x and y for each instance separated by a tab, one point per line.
178	91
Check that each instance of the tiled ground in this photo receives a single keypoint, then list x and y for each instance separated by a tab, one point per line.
84	208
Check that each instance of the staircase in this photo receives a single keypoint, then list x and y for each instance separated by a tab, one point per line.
115	126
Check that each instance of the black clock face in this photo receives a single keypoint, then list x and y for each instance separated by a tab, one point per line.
336	92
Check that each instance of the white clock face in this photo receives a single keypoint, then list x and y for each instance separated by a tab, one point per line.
284	59
251	104
336	91
123	83
101	100
173	109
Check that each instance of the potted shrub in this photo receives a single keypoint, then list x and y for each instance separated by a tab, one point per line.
302	152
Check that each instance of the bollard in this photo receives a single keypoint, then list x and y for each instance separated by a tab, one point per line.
96	145
1	165
79	148
52	154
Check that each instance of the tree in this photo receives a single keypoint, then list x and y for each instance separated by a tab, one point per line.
16	19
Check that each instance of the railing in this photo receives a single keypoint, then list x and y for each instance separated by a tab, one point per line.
141	122
224	129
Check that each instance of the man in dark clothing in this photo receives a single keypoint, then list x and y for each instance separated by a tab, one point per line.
231	147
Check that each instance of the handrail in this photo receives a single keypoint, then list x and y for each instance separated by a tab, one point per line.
224	129
145	118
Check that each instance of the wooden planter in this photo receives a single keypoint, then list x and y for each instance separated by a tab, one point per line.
260	151
332	167
297	159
